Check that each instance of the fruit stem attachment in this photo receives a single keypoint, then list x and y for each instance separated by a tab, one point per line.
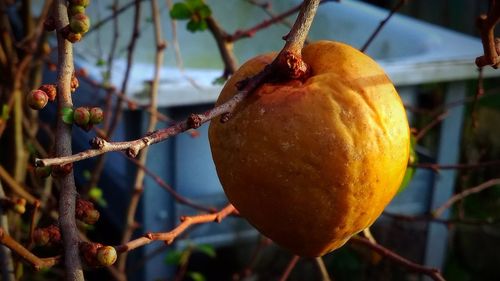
289	61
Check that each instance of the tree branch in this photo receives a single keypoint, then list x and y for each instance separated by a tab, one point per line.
169	237
287	65
68	193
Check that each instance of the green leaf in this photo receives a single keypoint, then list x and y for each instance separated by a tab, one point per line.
219	81
195	4
206	249
410	171
5	112
100	62
204	11
181	11
194	26
196	276
67	115
173	257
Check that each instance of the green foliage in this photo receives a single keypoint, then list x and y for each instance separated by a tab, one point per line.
67	115
196	11
195	276
173	257
410	171
95	193
206	249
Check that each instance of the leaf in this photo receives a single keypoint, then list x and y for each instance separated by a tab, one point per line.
194	26
173	257
410	171
196	276
86	175
206	249
5	112
219	81
204	11
181	11
195	4
100	62
67	115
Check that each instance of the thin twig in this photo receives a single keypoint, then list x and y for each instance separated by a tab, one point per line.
36	262
169	237
467	192
322	269
422	132
288	269
414	267
381	25
447	222
460	166
6	262
139	177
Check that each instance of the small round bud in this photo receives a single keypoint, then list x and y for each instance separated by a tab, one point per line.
20	206
37	99
74	83
43	172
79	23
91	217
50	90
106	255
83	3
76	9
96	115
73	37
81	116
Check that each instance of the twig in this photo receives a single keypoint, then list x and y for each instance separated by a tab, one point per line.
68	193
486	24
290	266
322	269
467	192
38	263
6	262
479	93
112	16
139	177
17	188
381	25
422	132
225	47
447	222
169	237
414	267
177	197
436	166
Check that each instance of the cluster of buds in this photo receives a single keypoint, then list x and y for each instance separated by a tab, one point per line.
38	99
47	236
55	171
86	212
79	22
97	255
86	117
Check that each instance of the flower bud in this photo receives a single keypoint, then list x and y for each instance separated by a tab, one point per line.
106	255
81	116
50	90
79	23
37	99
96	115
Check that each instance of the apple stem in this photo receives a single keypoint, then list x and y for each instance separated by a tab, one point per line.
289	61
